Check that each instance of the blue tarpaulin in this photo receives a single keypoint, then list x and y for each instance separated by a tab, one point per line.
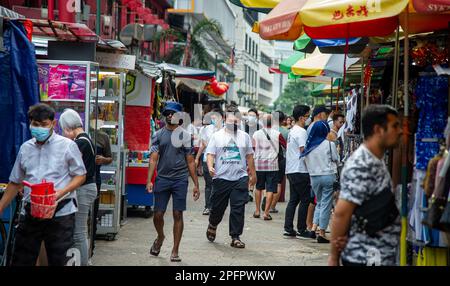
18	91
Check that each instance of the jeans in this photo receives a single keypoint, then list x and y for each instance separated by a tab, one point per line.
208	185
323	189
236	192
300	193
86	195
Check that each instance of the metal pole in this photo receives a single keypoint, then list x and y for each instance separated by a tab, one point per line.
215	65
98	19
396	67
404	210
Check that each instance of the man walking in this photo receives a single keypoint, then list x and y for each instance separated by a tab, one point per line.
215	119
298	177
56	159
366	226
172	153
267	145
229	152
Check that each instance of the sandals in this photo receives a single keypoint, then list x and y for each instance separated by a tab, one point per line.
175	258
153	250
268	217
256	216
237	243
211	233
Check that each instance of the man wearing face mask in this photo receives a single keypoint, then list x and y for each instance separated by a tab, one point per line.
56	159
172	154
253	122
229	152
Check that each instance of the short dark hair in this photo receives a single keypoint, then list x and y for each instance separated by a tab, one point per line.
281	116
253	110
337	115
376	114
41	112
299	111
233	109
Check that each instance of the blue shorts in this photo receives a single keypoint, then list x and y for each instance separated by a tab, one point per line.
164	188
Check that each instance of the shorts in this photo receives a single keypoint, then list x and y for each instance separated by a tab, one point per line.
165	188
267	180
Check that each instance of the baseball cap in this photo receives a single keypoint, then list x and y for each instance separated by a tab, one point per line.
320	109
172	106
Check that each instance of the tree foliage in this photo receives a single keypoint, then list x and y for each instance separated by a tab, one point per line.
295	92
197	50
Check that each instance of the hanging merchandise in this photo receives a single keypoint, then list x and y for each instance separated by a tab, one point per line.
432	96
19	90
429	54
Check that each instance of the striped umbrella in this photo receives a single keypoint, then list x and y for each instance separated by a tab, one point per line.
263	6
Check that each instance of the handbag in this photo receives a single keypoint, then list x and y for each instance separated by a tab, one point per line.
281	151
336	183
377	213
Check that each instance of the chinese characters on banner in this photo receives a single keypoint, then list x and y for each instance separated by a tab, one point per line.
62	82
351	12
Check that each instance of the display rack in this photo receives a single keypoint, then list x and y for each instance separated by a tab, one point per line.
110	116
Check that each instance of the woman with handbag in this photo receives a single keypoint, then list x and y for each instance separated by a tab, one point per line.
321	157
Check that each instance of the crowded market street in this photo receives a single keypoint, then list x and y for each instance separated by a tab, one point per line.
264	240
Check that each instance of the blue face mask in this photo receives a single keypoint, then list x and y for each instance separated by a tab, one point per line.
40	133
213	122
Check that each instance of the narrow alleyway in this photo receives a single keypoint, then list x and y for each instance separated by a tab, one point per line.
264	240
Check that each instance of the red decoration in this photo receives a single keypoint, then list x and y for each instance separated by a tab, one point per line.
350	11
337	15
429	54
362	11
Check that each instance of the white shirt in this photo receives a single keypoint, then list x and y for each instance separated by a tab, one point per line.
320	161
266	151
230	152
205	135
58	160
296	139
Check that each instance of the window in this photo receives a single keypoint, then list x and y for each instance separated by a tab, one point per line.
246	42
264	84
266	60
246	75
256	51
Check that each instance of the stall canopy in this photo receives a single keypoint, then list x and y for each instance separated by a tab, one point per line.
4	12
331	46
263	6
63	31
360	18
318	64
283	22
186	72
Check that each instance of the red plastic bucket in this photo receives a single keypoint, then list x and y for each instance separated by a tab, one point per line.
43	199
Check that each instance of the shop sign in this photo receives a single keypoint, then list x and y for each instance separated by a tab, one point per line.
138	90
116	61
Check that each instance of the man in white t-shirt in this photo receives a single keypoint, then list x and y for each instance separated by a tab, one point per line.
214	118
297	173
231	165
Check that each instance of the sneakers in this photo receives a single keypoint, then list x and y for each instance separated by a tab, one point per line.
90	262
321	239
273	211
206	211
306	234
287	234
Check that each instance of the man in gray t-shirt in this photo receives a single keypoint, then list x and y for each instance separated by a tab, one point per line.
171	154
363	179
230	162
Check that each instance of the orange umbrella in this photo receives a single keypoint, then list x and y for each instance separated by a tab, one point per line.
283	22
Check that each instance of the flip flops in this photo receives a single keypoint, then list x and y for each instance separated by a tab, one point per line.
175	258
268	217
255	215
154	250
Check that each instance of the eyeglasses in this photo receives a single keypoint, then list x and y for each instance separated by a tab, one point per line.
168	112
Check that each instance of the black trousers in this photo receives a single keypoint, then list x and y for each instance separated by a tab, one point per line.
94	216
57	234
234	192
300	193
208	186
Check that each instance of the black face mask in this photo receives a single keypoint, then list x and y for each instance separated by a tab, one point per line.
231	126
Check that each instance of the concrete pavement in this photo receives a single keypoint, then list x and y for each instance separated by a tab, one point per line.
265	244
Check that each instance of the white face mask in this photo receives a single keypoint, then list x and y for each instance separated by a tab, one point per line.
308	121
252	120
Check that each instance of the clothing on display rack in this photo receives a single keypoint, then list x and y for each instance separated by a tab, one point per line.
431	100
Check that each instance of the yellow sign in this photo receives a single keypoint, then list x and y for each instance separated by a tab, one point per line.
320	13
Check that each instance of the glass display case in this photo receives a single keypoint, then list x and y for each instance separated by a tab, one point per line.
110	114
69	84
